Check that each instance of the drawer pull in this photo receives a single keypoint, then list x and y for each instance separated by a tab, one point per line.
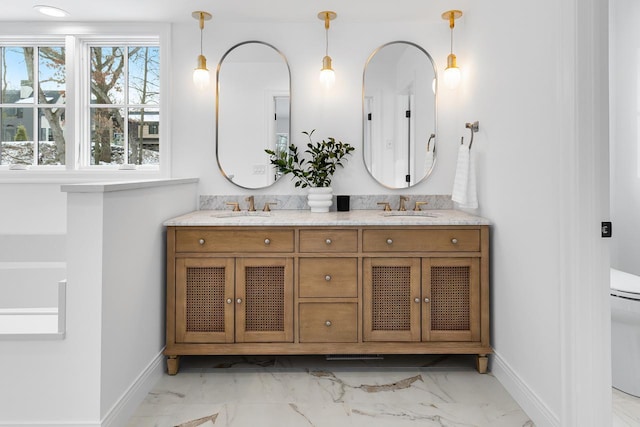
267	241
239	301
427	300
229	300
328	323
454	241
328	241
389	241
417	300
327	278
201	241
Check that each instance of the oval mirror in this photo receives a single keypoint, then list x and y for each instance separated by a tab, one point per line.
252	112
399	114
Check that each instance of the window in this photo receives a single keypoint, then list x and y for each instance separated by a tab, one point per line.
32	105
124	104
81	101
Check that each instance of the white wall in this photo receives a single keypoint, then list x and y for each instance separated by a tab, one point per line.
515	150
32	242
115	314
133	283
537	94
337	113
625	139
32	208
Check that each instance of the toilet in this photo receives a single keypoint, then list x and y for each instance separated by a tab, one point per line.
625	332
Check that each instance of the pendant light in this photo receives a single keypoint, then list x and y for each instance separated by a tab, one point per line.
452	75
327	75
201	73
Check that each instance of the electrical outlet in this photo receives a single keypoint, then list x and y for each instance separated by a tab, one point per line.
259	169
605	229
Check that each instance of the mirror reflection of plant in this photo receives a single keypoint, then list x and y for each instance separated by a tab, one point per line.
325	157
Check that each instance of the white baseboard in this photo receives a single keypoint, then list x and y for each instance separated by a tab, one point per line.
125	407
529	401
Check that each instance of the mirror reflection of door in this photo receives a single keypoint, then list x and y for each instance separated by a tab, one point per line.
279	133
399	114
253	110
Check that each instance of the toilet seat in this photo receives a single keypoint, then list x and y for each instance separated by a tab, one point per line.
625	332
625	285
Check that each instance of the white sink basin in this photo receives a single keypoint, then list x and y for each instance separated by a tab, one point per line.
241	214
411	213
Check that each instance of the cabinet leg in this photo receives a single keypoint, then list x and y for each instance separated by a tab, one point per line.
173	364
481	363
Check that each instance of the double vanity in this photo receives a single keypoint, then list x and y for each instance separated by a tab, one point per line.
363	282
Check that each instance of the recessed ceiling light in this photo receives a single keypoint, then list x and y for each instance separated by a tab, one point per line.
51	11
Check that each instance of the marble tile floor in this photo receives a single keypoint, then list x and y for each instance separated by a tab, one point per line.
306	391
626	410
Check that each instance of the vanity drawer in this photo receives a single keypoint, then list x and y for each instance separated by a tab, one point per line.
263	240
447	240
328	322
328	277
328	241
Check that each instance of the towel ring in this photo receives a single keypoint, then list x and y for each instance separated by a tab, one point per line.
474	128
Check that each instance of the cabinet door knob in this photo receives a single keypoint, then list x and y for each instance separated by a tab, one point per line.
389	241
328	241
201	241
454	241
427	300
328	323
239	301
267	241
229	300
417	300
327	278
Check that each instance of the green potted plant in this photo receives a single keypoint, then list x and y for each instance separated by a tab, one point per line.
316	172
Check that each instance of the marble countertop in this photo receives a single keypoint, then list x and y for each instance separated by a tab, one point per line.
306	218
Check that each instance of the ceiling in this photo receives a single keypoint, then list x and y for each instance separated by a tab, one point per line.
229	10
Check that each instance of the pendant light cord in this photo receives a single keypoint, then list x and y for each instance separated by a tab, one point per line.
451	25
326	28
201	30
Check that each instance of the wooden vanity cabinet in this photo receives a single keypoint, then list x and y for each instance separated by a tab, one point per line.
421	299
226	300
327	290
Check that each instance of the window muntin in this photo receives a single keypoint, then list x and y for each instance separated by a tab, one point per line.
124	101
32	113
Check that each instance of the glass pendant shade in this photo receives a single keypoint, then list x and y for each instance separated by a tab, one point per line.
327	75
452	75
201	76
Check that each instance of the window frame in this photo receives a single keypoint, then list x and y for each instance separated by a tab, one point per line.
36	43
76	38
84	155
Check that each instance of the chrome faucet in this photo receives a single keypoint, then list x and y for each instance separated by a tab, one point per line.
251	207
402	200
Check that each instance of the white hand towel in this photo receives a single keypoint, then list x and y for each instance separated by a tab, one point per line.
464	183
428	161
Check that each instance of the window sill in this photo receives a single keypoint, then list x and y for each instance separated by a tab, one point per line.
63	176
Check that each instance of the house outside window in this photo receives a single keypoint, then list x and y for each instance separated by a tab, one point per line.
124	101
32	105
